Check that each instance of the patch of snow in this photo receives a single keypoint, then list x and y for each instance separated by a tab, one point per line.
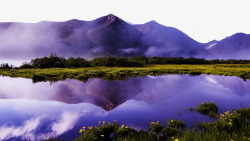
210	46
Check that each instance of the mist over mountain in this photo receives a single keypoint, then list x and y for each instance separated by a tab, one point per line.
111	36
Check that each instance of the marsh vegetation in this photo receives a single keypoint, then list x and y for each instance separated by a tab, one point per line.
229	126
58	68
117	73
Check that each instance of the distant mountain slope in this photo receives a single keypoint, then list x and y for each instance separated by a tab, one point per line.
172	42
235	46
111	36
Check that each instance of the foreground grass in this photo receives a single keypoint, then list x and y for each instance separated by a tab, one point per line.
240	70
229	127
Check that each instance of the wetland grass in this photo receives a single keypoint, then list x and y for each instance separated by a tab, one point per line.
230	126
118	73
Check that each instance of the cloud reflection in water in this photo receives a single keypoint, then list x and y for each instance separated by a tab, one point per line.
44	110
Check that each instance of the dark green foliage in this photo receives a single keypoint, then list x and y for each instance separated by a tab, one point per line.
59	62
236	122
124	132
141	59
6	66
38	78
77	62
113	132
230	126
208	109
25	65
192	73
180	60
104	133
155	127
82	77
170	132
244	113
115	62
175	124
52	62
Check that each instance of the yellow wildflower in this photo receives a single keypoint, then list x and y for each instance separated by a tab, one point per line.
80	131
176	140
172	120
102	135
230	123
122	126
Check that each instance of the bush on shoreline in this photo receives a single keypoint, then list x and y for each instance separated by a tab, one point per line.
54	61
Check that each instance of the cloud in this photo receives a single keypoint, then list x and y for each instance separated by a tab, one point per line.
130	50
66	123
23	130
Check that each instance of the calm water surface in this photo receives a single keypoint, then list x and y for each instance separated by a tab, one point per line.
44	109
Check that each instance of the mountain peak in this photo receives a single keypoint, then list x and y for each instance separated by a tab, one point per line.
153	22
111	17
240	34
237	36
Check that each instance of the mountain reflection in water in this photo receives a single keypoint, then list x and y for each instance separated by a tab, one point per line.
38	110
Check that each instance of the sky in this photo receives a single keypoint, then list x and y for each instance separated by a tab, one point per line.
202	20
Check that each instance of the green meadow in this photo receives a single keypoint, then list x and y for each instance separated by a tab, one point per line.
118	73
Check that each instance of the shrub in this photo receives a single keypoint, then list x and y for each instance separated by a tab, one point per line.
115	62
175	124
77	62
104	132
170	132
52	62
25	66
235	122
125	132
208	109
155	127
6	66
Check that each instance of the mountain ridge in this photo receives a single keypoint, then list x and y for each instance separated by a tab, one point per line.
111	36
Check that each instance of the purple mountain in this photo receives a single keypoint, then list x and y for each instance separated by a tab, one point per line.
111	36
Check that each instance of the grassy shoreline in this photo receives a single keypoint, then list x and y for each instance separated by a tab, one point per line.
232	126
117	73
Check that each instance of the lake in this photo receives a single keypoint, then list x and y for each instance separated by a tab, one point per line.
47	109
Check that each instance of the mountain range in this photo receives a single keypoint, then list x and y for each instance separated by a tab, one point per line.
111	36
